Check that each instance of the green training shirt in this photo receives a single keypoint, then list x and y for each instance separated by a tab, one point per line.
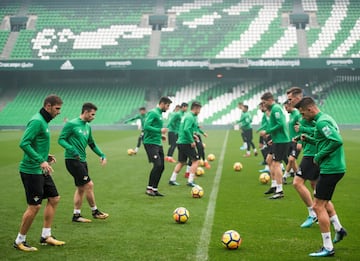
74	137
174	121
277	126
245	121
188	127
140	117
35	143
264	122
308	128
329	144
152	127
294	118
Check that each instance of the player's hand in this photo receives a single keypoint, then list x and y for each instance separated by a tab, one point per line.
51	159
297	127
164	130
303	137
103	161
193	145
46	168
270	142
205	135
262	133
163	137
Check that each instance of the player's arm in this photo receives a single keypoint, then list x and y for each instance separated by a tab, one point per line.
334	140
278	122
96	149
148	123
27	139
132	119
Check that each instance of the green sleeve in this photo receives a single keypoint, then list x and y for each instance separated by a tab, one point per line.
334	140
28	137
94	147
278	122
188	127
64	135
148	123
136	117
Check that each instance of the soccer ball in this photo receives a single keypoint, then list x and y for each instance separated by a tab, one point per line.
181	215
231	239
211	157
264	178
201	163
200	171
197	192
131	152
237	166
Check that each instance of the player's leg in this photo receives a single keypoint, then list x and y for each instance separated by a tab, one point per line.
172	146
279	154
158	170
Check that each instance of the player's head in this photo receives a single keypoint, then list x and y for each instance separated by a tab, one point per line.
196	107
307	108
164	103
142	110
88	112
52	104
245	108
184	106
177	108
240	105
267	99
294	95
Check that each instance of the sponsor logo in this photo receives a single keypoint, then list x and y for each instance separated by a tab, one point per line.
67	66
182	63
16	65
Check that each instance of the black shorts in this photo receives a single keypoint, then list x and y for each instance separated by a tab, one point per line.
279	151
154	152
38	187
308	170
187	152
325	187
293	151
172	136
79	171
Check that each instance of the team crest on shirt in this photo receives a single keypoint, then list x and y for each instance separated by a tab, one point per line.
85	177
36	198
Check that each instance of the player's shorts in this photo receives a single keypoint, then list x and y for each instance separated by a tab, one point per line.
187	152
293	151
155	153
262	140
38	187
79	171
172	136
325	187
308	170
279	151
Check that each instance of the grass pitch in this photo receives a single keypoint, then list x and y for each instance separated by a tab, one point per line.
142	228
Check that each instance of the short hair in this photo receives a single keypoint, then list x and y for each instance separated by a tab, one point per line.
142	109
294	91
240	103
177	106
88	106
267	96
165	100
184	104
246	107
305	103
53	99
195	104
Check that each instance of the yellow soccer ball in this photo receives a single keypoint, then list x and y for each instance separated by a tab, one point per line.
237	166
131	152
181	215
231	239
200	171
197	192
264	178
211	157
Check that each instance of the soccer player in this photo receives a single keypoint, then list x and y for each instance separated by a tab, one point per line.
244	146
263	141
154	133
75	137
277	128
245	125
187	144
173	126
141	116
307	169
331	159
294	148
35	172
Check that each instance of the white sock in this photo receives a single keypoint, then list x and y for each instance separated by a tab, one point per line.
279	188
266	167
46	232
273	183
94	208
311	212
336	222
255	150
20	238
248	152
187	168
282	166
191	178
173	176
149	187
77	211
327	240
286	174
